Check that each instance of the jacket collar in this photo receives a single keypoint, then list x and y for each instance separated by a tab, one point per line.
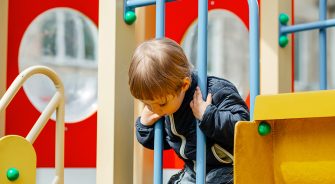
189	93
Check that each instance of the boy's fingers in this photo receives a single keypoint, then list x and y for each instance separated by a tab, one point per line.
209	98
199	94
196	95
195	98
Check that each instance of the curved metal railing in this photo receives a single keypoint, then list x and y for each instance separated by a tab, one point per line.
56	103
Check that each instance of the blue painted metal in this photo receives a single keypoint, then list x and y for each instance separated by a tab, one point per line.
254	53
160	19
158	152
126	9
307	26
202	82
140	3
322	25
130	5
323	45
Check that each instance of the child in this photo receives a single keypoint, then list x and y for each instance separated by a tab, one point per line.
162	78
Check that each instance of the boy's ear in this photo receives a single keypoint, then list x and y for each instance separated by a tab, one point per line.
186	84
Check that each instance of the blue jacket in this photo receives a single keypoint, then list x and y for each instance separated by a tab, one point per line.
218	125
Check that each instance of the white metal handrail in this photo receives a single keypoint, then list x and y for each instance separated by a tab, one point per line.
56	103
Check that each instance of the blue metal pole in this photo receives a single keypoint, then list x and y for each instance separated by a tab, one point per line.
140	3
158	145
202	81
322	24
160	18
158	153
323	45
254	53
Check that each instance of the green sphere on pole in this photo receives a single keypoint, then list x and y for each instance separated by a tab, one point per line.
130	17
12	174
283	41
264	128
284	18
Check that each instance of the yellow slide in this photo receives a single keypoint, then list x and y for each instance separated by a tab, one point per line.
17	161
291	140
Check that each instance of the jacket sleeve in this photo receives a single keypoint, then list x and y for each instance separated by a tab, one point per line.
146	135
220	117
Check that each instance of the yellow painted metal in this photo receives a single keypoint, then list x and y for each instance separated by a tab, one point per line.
57	103
253	155
17	152
3	57
300	147
295	105
115	125
276	62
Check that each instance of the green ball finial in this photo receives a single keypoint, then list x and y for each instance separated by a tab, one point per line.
283	41
264	128
283	18
12	174
130	17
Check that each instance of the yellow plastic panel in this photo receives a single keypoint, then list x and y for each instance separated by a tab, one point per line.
295	105
308	172
253	155
296	151
300	147
304	150
17	152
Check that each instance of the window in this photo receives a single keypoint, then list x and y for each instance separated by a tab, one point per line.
228	48
66	41
306	61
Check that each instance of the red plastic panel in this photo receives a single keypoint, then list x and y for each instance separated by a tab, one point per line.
180	15
80	138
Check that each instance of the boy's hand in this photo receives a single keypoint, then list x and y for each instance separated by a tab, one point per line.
198	105
148	117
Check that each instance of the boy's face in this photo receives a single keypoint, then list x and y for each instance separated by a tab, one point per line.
165	106
169	104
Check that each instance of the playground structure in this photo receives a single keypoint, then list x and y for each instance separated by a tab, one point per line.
288	172
130	17
289	140
17	155
115	159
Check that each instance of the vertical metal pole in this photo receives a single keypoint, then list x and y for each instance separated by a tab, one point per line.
323	45
160	18
202	80
60	114
158	145
254	53
158	153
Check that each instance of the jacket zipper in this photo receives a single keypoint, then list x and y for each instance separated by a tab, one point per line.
183	139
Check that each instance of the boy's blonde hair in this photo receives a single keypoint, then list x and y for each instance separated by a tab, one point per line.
158	69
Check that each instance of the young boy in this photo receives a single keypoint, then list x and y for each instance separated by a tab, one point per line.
162	78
